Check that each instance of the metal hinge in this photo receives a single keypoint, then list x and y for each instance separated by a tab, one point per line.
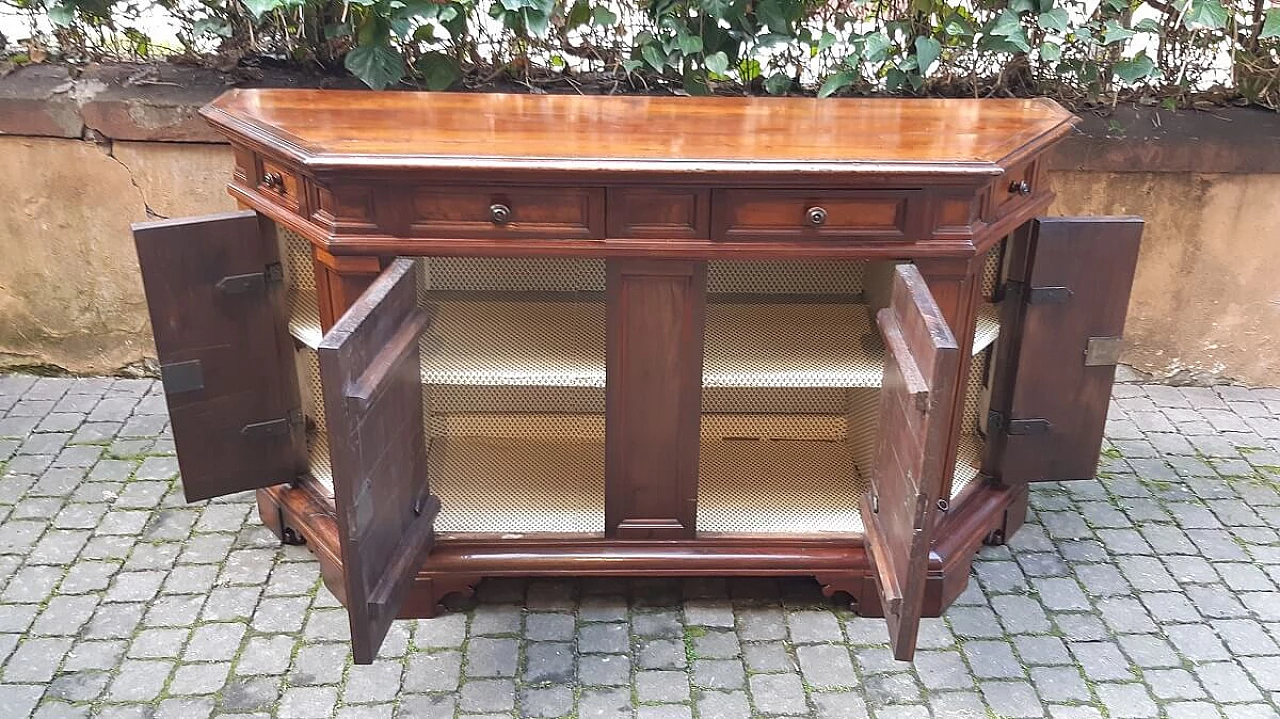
274	427
997	422
1049	295
252	282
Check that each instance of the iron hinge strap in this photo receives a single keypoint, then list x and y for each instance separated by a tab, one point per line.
274	427
251	282
997	422
1047	295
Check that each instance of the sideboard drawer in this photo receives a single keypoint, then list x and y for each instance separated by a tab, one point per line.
1017	184
745	215
281	184
506	211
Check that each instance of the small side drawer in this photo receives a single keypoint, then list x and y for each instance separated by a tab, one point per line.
281	184
568	213
660	213
1018	183
866	215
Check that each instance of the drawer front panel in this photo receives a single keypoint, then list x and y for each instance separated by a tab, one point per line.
493	212
659	213
867	215
1018	184
281	184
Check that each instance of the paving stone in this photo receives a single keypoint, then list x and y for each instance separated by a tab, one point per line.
723	705
496	619
492	657
1060	684
708	613
604	670
553	701
767	657
546	626
826	666
428	707
718	673
942	670
266	655
662	686
716	645
607	638
1012	699
762	624
308	702
545	662
199	678
1226	682
250	694
1126	701
1149	651
813	627
139	681
778	694
662	654
605	704
1168	684
379	681
992	659
1101	661
1197	642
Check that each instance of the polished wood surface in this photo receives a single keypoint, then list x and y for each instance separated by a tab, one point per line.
1046	375
653	395
655	186
921	361
224	351
409	130
369	369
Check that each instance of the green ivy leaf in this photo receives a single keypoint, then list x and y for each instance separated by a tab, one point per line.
1147	24
1114	32
777	84
837	82
957	26
1139	68
653	55
439	71
536	22
261	7
1006	24
1050	52
63	15
603	16
927	52
1021	6
579	14
717	63
377	65
689	44
1055	19
1271	26
774	17
718	9
876	46
1205	13
826	42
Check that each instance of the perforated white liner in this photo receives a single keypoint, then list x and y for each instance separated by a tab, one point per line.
514	400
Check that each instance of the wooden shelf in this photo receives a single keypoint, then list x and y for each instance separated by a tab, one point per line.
561	344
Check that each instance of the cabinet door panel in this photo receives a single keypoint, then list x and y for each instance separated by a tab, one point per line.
224	348
1069	291
921	360
373	403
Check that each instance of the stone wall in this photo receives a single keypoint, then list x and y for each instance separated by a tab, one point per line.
82	158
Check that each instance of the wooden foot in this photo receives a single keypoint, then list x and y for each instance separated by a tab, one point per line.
426	598
273	518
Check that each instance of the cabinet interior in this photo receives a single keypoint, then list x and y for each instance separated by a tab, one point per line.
513	376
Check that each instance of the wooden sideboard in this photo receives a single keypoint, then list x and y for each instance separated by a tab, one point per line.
461	336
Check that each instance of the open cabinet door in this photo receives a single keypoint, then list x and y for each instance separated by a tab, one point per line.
921	360
1068	291
216	304
371	374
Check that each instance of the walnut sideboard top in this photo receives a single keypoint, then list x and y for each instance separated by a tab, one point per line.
361	173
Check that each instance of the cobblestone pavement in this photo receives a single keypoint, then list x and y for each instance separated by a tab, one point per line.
1150	593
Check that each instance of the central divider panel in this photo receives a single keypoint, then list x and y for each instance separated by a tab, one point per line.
514	392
